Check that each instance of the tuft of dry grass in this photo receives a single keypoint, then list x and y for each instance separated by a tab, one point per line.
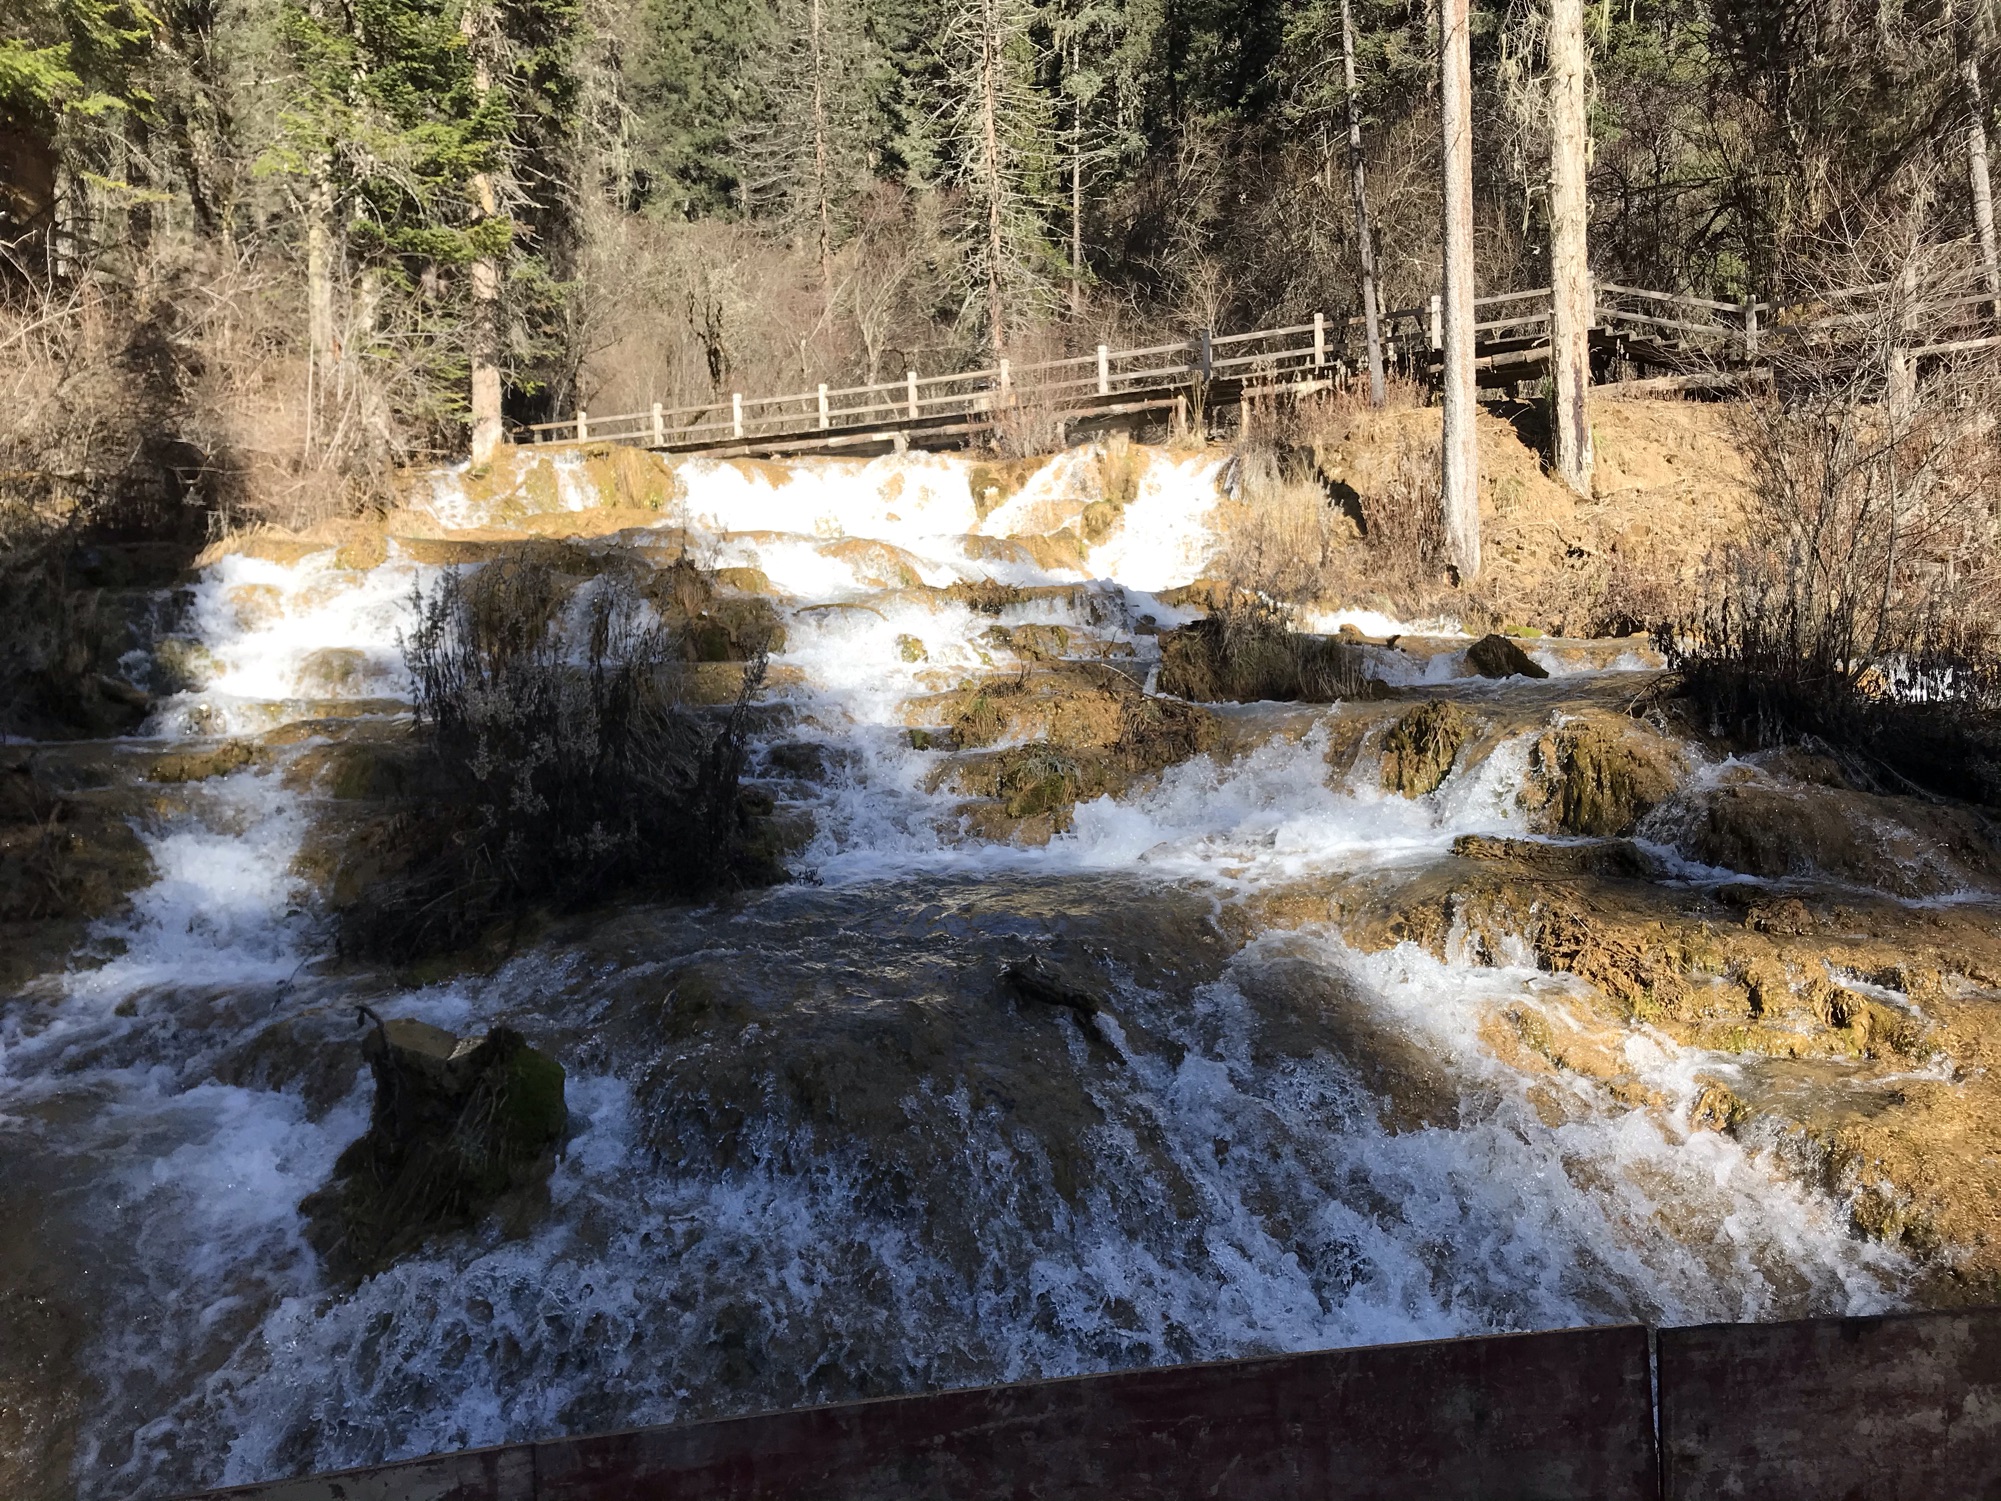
556	766
1282	529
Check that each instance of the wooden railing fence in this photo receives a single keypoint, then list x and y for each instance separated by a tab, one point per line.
1665	329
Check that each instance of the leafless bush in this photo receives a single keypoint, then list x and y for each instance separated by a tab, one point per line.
558	765
1859	609
77	430
1403	524
1027	418
685	313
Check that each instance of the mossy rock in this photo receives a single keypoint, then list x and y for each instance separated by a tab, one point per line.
1420	748
1717	1108
709	641
1120	464
1101	518
531	1115
1598	780
363	550
181	664
1495	656
1035	642
994	482
744	580
539	489
200	765
333	672
987	596
366	772
910	649
1212	662
1040	781
455	1125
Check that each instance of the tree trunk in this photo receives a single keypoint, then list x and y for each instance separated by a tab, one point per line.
1364	230
1076	199
485	341
1970	37
990	64
319	290
1569	251
821	191
1459	451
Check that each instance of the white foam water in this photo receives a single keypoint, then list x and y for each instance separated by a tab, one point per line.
1213	1190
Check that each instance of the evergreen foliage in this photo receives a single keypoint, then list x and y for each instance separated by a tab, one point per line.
784	191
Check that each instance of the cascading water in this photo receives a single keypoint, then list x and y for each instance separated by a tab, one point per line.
819	1150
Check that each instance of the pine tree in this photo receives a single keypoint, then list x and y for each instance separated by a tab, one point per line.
73	76
1103	50
688	77
1000	139
421	139
804	158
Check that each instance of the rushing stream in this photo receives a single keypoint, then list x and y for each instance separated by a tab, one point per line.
819	1150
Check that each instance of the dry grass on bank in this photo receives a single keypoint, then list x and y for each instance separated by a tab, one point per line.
1340	507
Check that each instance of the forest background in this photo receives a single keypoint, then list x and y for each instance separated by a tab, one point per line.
253	250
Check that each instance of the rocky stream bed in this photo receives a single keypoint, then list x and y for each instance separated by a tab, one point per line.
1095	1027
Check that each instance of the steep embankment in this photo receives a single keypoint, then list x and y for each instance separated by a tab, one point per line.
1670	485
1473	1004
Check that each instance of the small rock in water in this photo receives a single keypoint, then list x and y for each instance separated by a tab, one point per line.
1498	657
456	1124
1036	979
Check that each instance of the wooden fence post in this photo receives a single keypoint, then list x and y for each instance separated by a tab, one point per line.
1319	340
1750	328
910	385
1207	364
1437	321
583	425
1104	370
823	406
1005	391
659	427
736	412
1901	383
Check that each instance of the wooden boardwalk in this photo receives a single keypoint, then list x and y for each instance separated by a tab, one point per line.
1641	339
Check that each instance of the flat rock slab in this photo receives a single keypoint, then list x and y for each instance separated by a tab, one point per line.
1869	1409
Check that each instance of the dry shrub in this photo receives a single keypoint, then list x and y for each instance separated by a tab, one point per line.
1404	524
1638	596
987	595
1245	651
686	312
557	766
1029	419
290	445
139	419
87	390
1859	611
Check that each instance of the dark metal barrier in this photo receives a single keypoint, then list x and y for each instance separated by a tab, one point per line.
1877	1409
1881	1409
